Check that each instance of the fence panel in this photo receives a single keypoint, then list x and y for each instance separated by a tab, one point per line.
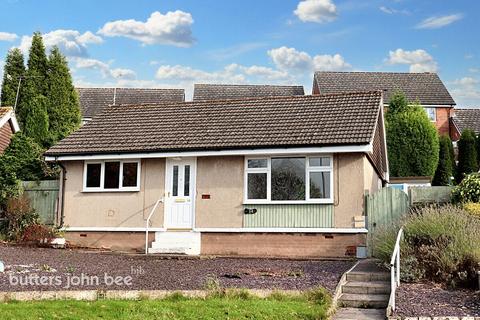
382	209
43	197
426	195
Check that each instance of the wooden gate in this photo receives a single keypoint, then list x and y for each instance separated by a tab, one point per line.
43	196
383	209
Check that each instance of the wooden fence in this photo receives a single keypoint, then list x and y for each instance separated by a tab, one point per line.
383	209
428	195
43	196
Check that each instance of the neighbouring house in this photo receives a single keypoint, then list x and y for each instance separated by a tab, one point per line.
425	88
283	176
231	91
464	119
8	127
94	100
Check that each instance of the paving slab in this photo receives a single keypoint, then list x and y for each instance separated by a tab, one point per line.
359	314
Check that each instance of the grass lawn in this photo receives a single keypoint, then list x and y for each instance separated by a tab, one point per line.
311	305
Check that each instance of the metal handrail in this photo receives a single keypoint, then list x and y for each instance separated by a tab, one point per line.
395	269
148	223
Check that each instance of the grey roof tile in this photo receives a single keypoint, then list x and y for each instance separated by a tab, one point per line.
467	119
230	91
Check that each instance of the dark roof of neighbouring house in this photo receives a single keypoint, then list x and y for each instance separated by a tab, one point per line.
231	91
467	119
320	120
93	100
426	87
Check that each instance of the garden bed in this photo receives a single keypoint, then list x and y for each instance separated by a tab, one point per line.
63	269
431	300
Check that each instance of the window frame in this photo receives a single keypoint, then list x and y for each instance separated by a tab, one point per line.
434	113
121	188
308	170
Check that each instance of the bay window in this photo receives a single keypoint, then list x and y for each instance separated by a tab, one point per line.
111	175
296	179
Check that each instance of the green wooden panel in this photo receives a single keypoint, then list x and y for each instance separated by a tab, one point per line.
384	208
289	216
43	197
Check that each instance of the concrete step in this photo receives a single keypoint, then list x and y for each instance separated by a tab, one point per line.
183	242
359	314
368	287
367	301
368	276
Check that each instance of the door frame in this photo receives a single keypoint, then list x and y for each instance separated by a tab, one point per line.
168	164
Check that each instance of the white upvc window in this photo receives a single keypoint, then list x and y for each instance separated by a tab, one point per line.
431	113
111	176
289	179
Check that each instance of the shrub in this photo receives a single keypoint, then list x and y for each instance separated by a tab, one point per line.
443	174
467	155
39	234
468	190
18	216
472	208
412	139
440	244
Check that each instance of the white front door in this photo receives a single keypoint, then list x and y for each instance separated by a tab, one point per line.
180	193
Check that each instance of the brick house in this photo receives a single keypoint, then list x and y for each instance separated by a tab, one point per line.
425	88
464	119
8	127
278	176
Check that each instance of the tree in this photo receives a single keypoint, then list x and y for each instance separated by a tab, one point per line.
13	70
452	157
35	83
412	139
63	105
36	122
443	173
467	155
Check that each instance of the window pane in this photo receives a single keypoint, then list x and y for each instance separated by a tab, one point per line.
257	163
257	186
319	185
431	112
175	181
130	170
319	162
93	175
186	183
112	175
288	178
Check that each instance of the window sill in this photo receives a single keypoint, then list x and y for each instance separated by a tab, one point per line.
326	201
110	190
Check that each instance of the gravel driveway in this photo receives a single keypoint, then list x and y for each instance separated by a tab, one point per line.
428	299
63	269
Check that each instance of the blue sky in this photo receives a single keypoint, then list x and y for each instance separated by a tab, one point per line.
178	43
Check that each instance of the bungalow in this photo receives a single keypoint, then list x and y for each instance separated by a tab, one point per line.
426	88
464	119
8	127
232	91
282	176
94	100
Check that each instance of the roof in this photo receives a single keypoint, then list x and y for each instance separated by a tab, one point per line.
230	91
7	114
425	87
321	120
93	100
467	119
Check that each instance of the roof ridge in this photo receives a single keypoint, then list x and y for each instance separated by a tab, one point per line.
129	88
248	85
388	72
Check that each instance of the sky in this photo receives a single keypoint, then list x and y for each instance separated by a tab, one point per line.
174	44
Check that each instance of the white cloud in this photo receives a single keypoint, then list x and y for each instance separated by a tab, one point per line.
104	68
71	42
439	22
290	59
466	92
185	73
389	10
419	60
6	36
319	11
172	28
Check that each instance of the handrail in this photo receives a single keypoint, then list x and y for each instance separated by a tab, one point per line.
395	269
148	223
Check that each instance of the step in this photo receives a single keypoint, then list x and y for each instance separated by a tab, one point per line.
183	242
367	301
368	276
366	287
356	314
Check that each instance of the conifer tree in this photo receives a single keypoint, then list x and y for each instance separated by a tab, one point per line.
467	155
443	173
63	106
13	70
36	122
